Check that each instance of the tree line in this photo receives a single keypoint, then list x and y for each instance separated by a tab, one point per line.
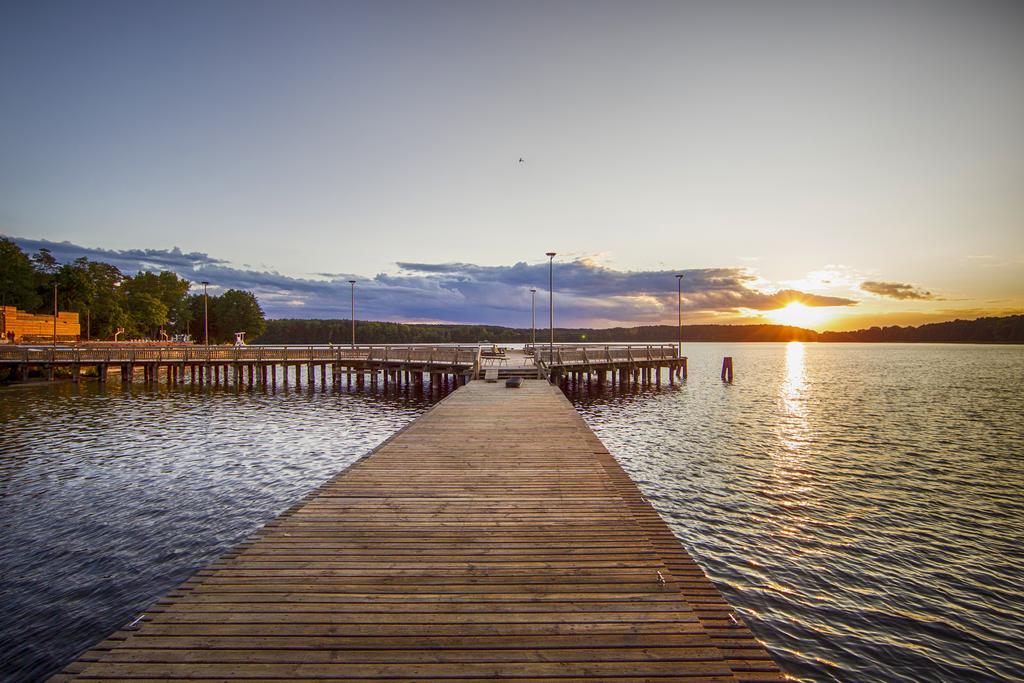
1007	329
144	304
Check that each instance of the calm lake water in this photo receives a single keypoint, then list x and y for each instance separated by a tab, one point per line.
861	505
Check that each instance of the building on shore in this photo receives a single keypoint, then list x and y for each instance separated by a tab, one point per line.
19	327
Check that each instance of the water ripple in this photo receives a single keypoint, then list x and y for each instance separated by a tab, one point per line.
860	505
109	498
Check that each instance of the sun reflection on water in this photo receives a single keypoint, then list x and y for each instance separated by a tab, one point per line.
795	383
791	485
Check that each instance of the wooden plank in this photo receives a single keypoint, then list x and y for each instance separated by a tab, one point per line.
495	537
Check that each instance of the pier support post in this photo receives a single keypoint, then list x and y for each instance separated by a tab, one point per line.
727	369
76	370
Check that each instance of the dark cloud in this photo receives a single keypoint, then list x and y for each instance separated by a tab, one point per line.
127	259
585	293
896	290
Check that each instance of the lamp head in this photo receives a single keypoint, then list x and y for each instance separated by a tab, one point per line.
351	282
680	276
550	254
205	283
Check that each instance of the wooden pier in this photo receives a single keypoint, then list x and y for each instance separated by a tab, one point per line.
390	365
252	366
493	538
618	364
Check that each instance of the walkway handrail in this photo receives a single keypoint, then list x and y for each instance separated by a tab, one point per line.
125	353
569	355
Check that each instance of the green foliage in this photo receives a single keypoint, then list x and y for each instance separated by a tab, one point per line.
108	309
147	314
17	278
167	288
235	311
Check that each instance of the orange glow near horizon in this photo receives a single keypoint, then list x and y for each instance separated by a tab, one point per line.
800	315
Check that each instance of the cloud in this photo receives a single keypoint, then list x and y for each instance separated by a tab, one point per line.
129	260
897	290
586	292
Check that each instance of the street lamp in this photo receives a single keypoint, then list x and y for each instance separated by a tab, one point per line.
551	308
353	283
533	318
679	279
206	314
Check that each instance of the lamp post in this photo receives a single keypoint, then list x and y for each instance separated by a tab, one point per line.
353	283
533	318
206	314
679	279
551	308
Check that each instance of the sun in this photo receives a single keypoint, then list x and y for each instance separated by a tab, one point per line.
798	315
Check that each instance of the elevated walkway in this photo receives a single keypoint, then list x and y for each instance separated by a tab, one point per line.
494	538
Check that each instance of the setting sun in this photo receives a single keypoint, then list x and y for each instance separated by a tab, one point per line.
799	315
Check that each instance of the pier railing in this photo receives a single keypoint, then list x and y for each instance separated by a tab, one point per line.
585	355
383	354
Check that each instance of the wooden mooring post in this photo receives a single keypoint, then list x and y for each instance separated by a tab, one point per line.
727	369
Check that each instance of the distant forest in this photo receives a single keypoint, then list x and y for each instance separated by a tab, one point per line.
1008	329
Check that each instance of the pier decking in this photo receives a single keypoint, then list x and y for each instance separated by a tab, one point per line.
494	538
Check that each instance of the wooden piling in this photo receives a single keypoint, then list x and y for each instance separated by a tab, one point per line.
727	369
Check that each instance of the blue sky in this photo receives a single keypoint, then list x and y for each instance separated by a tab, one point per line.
800	146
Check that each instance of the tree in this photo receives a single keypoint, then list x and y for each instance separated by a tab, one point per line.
148	315
108	310
167	288
235	311
77	289
17	278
